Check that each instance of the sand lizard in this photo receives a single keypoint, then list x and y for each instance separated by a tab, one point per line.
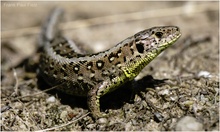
64	65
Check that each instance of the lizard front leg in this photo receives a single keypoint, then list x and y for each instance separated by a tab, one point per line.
93	99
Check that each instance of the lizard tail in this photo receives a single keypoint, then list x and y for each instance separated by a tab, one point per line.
50	28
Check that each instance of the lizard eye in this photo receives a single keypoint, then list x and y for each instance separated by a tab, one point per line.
159	34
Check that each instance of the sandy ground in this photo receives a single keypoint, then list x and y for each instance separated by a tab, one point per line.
182	82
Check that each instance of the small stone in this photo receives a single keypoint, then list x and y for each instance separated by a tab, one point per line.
63	115
205	74
90	126
51	99
128	126
164	92
102	120
158	117
188	123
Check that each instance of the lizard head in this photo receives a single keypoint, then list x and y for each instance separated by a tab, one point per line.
156	39
147	45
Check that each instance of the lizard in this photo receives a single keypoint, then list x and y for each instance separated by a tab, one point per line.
64	65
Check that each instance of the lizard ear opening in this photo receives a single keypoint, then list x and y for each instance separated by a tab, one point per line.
140	48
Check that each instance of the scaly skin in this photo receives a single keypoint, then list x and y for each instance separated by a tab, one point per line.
63	64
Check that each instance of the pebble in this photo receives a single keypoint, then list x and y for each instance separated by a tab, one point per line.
205	74
102	121
189	123
51	99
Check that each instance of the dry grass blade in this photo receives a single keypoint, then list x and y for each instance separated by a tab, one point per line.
36	93
16	80
63	125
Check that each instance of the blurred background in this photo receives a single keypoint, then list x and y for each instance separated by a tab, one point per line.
101	25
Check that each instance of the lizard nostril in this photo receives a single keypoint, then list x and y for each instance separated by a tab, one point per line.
159	34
